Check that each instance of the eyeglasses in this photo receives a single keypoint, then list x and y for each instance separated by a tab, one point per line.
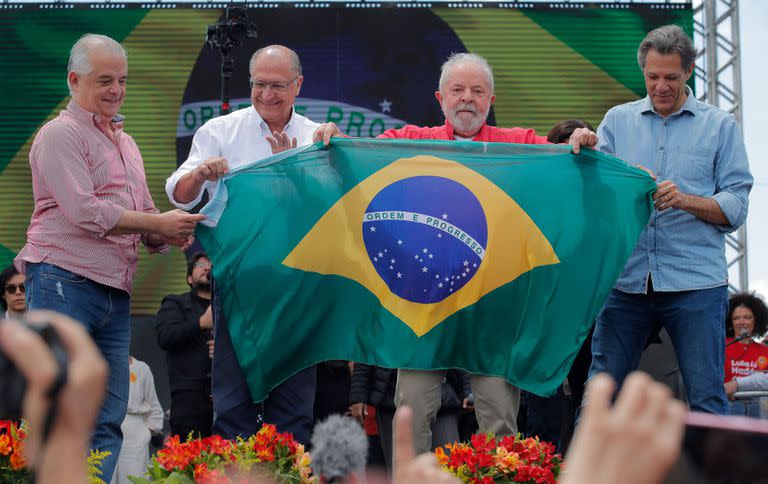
11	288
203	264
275	86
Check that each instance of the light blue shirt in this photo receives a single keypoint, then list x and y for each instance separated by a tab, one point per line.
700	148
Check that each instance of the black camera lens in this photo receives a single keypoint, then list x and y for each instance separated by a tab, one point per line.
13	382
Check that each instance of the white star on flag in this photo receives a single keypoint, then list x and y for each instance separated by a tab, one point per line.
423	269
399	276
399	242
445	216
386	105
373	229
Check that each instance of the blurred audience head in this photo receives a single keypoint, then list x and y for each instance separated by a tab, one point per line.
747	312
12	282
562	131
199	272
339	450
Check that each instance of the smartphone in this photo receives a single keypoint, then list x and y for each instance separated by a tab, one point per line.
720	449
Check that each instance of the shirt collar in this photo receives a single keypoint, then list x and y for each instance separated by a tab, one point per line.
83	114
690	105
480	134
263	124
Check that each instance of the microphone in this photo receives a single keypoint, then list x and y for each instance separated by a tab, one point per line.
339	449
742	336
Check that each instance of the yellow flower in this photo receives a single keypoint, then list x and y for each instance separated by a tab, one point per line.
304	461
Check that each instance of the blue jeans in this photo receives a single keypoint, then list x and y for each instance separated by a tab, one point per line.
105	312
695	321
747	407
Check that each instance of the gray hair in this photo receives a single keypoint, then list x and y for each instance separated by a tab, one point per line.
669	39
339	448
277	50
460	58
79	56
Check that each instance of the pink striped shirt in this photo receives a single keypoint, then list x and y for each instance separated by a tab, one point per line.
82	182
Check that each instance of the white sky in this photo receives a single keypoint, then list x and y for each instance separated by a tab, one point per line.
753	16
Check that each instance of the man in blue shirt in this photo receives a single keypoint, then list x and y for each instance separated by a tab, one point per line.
677	274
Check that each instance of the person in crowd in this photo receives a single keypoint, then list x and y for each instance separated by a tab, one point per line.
747	319
13	300
270	125
183	326
332	390
143	419
92	209
375	386
636	440
465	94
562	131
677	274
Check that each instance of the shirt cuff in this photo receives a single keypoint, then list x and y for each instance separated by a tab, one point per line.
170	186
733	209
108	217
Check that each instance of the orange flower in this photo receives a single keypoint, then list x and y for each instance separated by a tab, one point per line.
442	459
17	459
200	470
505	460
5	444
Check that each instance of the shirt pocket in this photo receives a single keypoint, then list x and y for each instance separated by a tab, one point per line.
98	163
693	170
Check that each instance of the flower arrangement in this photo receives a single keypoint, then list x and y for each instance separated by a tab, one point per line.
12	463
13	466
486	459
95	461
214	460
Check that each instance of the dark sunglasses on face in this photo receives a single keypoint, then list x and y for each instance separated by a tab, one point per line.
11	288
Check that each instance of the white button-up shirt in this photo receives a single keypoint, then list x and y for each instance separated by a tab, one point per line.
239	137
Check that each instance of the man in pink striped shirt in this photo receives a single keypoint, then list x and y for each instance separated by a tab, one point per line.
92	209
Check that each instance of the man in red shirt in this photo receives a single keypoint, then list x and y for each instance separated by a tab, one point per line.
466	95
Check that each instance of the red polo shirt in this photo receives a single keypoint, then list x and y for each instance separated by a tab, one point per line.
487	133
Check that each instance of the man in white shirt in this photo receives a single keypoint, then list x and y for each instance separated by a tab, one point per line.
269	126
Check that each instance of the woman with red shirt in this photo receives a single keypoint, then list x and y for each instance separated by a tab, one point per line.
747	319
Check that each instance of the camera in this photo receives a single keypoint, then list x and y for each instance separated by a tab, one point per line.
232	30
14	384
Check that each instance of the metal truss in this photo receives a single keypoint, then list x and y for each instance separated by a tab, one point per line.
718	82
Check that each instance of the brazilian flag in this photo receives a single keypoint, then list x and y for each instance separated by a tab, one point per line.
491	257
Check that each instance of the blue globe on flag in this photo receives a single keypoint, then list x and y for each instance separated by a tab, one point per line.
426	236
